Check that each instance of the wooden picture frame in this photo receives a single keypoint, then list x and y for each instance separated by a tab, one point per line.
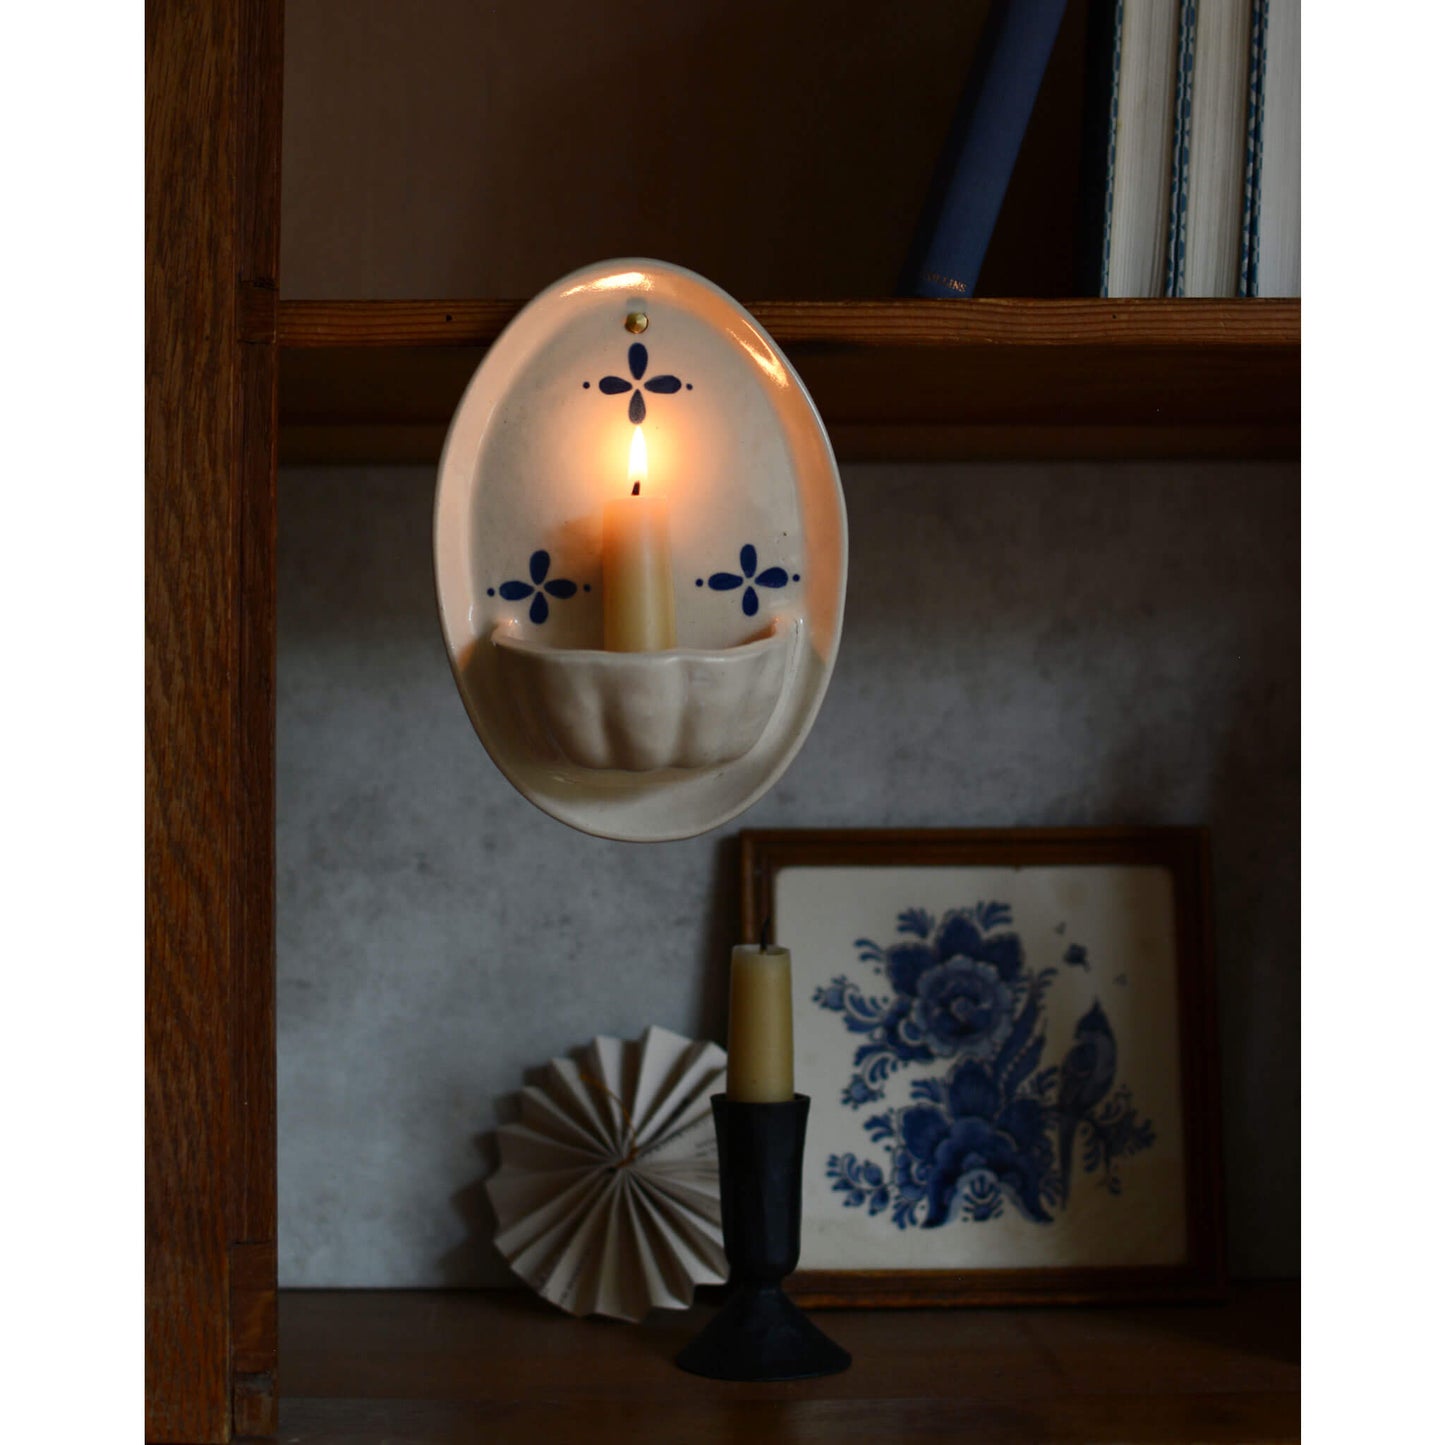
1172	890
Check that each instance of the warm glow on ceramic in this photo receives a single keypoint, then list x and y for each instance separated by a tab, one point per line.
618	281
772	368
637	459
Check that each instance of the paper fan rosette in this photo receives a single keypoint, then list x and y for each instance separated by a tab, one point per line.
607	1194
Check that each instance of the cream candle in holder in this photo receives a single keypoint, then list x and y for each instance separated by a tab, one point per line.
637	600
760	1025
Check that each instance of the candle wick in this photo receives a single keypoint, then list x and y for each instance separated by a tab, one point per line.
637	489
767	928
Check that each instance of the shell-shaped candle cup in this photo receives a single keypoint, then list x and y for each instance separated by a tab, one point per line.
637	712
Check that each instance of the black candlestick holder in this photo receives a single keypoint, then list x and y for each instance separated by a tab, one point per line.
759	1333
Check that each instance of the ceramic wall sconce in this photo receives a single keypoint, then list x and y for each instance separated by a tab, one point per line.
620	361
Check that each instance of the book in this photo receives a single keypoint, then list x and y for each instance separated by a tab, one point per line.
1211	125
983	143
1277	219
1254	114
1139	149
1101	33
1179	165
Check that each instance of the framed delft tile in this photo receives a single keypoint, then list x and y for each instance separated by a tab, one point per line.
1009	1042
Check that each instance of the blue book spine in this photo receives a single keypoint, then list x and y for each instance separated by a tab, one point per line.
1253	152
983	144
1179	170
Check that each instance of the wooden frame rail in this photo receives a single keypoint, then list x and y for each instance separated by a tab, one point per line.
213	106
894	379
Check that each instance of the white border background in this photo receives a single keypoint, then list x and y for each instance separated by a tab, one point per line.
72	588
72	122
1373	796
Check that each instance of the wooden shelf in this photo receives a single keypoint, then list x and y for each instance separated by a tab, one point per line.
378	380
372	1366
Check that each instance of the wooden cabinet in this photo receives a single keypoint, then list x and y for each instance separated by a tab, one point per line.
212	158
429	1367
232	372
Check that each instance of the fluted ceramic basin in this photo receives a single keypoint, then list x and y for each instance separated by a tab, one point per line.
639	712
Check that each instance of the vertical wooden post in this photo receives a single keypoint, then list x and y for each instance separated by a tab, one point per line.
213	77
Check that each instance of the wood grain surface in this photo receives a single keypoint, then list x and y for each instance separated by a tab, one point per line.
931	380
430	1367
191	583
212	113
1045	324
252	1000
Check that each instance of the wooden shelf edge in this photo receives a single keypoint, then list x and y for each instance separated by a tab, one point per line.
390	444
893	380
1044	324
368	1367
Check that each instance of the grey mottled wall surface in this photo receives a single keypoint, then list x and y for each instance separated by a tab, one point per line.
1040	645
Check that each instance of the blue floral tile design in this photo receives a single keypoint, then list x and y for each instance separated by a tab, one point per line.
632	389
539	589
750	580
996	1130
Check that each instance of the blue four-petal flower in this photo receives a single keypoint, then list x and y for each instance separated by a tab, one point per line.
539	589
748	561
637	365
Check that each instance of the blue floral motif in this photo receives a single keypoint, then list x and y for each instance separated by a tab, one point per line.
539	588
980	1197
997	1129
962	1007
751	579
621	386
862	1183
955	992
975	1141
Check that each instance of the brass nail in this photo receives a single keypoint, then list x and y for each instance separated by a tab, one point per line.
636	322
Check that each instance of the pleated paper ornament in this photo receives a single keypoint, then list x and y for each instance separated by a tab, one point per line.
607	1194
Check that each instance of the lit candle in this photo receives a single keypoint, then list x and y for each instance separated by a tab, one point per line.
637	603
760	1025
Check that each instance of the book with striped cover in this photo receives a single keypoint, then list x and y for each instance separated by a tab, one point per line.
1210	150
1254	114
1277	215
1126	202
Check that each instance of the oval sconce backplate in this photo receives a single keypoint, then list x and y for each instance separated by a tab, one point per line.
641	746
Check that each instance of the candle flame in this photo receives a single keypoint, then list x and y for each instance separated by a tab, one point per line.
637	461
